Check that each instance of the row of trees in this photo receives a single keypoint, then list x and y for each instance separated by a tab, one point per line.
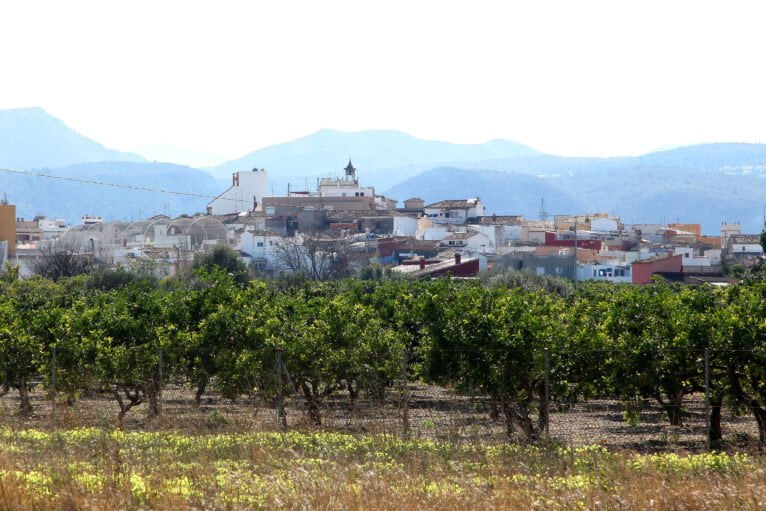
521	346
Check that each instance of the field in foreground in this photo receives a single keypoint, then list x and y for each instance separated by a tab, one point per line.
95	468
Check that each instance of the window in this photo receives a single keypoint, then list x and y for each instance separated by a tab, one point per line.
270	210
259	244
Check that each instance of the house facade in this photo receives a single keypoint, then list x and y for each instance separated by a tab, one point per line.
454	211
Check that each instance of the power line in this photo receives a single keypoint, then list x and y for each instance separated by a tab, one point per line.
116	185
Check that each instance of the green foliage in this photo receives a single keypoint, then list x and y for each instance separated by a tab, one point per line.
226	259
129	336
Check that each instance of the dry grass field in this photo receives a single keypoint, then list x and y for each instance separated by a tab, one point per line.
226	455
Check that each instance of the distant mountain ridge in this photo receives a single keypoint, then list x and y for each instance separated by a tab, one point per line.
707	183
31	138
327	151
70	200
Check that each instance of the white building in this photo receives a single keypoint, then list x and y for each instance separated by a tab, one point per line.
52	228
604	224
500	235
692	259
347	186
605	272
405	225
245	194
729	230
745	244
454	211
472	240
261	248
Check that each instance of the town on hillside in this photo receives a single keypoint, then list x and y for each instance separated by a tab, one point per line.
343	227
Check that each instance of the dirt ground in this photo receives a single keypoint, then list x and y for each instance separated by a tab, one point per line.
432	412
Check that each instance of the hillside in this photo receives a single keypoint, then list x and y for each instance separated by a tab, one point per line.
327	151
31	138
709	183
70	200
501	192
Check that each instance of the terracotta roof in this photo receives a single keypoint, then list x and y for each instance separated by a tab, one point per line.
745	239
658	257
461	235
265	233
461	203
538	224
415	270
501	220
546	250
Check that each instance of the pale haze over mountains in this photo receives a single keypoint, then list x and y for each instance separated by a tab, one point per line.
707	183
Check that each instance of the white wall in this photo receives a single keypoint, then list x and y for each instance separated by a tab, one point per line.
603	224
239	197
434	233
714	255
259	246
405	226
604	272
746	248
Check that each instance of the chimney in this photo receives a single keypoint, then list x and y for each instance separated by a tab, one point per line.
457	258
422	262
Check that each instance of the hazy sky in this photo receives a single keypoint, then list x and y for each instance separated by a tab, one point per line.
566	77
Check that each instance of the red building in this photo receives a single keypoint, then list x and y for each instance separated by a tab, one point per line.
551	240
433	268
642	271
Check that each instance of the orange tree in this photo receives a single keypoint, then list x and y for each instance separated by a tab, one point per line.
494	340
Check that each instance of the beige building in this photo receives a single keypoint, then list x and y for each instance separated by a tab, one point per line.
8	225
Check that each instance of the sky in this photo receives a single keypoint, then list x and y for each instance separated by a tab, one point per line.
224	78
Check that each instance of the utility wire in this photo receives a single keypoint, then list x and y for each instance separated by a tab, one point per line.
116	185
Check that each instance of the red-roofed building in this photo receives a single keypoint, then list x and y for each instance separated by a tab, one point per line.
644	270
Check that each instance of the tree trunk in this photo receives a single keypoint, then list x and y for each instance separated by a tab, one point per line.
201	388
153	400
133	400
353	395
755	406
760	418
494	408
312	403
543	416
510	429
714	434
526	424
672	407
25	403
314	413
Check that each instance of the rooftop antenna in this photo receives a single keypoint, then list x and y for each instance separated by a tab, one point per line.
543	214
5	203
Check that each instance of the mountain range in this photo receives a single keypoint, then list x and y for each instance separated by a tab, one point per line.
30	138
707	183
